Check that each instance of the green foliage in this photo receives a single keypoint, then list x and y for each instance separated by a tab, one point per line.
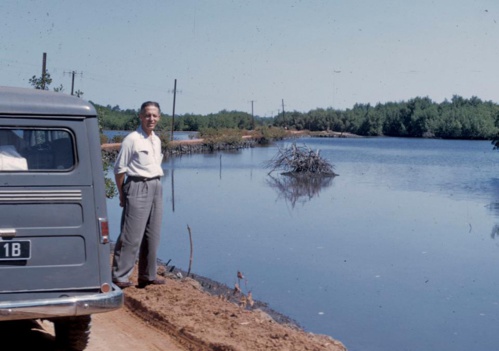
59	89
266	134
111	190
118	138
418	117
112	118
42	82
103	138
164	136
107	163
212	136
495	138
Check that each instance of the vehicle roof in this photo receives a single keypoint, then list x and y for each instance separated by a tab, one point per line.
17	101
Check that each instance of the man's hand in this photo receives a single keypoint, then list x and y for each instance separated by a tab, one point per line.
120	179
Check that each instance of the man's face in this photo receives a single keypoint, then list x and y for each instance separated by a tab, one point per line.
149	118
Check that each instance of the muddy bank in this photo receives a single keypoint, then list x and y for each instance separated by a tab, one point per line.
203	315
229	293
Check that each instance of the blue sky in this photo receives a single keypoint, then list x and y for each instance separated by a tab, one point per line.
235	55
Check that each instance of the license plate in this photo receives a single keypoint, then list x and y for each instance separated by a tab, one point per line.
15	250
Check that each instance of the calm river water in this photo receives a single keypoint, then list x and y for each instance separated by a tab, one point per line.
398	252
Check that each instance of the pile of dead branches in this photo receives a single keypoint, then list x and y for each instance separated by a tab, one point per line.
300	160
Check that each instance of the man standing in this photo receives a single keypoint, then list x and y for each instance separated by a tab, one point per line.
141	196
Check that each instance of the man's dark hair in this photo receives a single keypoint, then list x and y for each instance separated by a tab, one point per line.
149	103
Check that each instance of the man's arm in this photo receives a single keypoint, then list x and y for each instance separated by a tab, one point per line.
120	179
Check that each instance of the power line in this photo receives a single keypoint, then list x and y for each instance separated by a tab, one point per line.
174	91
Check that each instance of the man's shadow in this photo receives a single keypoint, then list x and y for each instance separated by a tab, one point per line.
26	335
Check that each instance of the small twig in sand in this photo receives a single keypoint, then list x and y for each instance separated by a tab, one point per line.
190	258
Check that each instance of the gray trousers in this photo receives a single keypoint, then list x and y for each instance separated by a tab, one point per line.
140	230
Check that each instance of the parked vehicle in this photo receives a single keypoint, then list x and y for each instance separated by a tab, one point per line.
54	237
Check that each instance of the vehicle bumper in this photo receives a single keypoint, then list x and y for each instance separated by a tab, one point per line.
62	307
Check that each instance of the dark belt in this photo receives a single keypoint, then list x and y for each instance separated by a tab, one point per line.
140	179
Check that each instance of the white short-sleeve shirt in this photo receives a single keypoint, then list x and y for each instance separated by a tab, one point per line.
140	155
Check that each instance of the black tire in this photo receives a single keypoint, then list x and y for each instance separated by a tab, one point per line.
72	333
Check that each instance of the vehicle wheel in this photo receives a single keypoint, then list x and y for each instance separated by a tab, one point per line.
72	333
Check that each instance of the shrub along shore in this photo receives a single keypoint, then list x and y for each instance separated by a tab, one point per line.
212	140
217	140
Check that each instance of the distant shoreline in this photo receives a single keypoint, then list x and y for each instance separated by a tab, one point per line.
175	144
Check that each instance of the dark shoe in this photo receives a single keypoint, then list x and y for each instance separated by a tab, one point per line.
123	285
143	283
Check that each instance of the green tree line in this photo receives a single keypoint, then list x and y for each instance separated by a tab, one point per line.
459	118
114	118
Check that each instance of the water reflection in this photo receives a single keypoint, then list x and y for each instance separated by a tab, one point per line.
494	209
220	168
173	189
495	232
298	188
412	237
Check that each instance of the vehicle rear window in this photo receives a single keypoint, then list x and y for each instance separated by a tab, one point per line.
36	149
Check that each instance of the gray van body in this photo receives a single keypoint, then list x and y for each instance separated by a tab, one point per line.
54	249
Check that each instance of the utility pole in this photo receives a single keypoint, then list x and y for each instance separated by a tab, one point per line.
252	116
283	108
73	73
44	69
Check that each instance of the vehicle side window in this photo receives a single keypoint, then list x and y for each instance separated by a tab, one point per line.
33	150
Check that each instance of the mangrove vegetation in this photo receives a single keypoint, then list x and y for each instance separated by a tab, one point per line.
457	118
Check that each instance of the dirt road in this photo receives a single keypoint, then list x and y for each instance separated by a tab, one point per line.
122	330
179	316
113	331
